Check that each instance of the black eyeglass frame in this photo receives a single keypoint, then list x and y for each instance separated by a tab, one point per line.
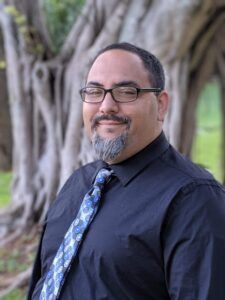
139	90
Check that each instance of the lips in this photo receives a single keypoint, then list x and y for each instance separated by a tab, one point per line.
110	120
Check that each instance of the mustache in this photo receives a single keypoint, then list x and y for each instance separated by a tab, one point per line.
119	119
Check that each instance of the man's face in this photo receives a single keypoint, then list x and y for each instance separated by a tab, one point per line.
138	122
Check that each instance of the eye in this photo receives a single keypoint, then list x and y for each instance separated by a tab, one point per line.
95	92
126	90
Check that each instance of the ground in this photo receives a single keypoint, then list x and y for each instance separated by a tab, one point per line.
17	257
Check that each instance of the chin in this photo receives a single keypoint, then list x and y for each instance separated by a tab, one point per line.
109	147
107	135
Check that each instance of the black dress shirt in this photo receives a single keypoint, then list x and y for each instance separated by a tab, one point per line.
159	233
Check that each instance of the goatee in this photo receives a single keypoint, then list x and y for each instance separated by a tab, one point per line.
109	149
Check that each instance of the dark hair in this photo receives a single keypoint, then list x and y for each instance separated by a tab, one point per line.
150	61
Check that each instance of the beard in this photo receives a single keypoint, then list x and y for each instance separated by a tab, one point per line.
109	149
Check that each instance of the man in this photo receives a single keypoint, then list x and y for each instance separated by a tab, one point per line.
159	230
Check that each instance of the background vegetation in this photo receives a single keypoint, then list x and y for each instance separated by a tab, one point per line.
5	186
60	18
207	148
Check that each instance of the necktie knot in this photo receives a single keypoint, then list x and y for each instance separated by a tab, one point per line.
102	176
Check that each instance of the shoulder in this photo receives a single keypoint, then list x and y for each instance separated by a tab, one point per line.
183	167
201	201
196	188
196	214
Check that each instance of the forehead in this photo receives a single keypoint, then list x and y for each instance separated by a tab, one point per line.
118	65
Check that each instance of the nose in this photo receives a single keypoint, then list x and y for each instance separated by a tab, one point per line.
108	105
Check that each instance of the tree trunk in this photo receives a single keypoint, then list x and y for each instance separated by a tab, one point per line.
49	140
5	124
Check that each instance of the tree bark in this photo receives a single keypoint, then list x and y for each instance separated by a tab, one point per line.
5	123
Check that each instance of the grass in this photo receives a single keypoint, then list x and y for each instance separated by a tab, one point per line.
5	185
207	148
15	258
16	294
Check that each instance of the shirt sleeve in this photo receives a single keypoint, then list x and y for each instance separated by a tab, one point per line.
194	244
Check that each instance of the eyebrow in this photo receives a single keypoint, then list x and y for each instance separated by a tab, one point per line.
95	83
118	84
126	83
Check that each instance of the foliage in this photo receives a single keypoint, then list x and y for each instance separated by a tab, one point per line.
13	263
27	31
16	294
207	149
5	185
2	64
60	18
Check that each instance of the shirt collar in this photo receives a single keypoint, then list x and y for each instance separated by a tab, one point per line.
128	168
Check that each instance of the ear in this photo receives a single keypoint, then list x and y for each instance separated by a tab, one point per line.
163	104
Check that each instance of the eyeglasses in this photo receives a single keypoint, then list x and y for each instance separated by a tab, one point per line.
121	94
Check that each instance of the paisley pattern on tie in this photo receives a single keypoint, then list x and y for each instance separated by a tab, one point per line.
72	239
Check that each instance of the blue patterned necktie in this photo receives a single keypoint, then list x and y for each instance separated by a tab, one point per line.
72	239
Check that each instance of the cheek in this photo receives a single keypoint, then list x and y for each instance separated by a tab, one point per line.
88	113
143	120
